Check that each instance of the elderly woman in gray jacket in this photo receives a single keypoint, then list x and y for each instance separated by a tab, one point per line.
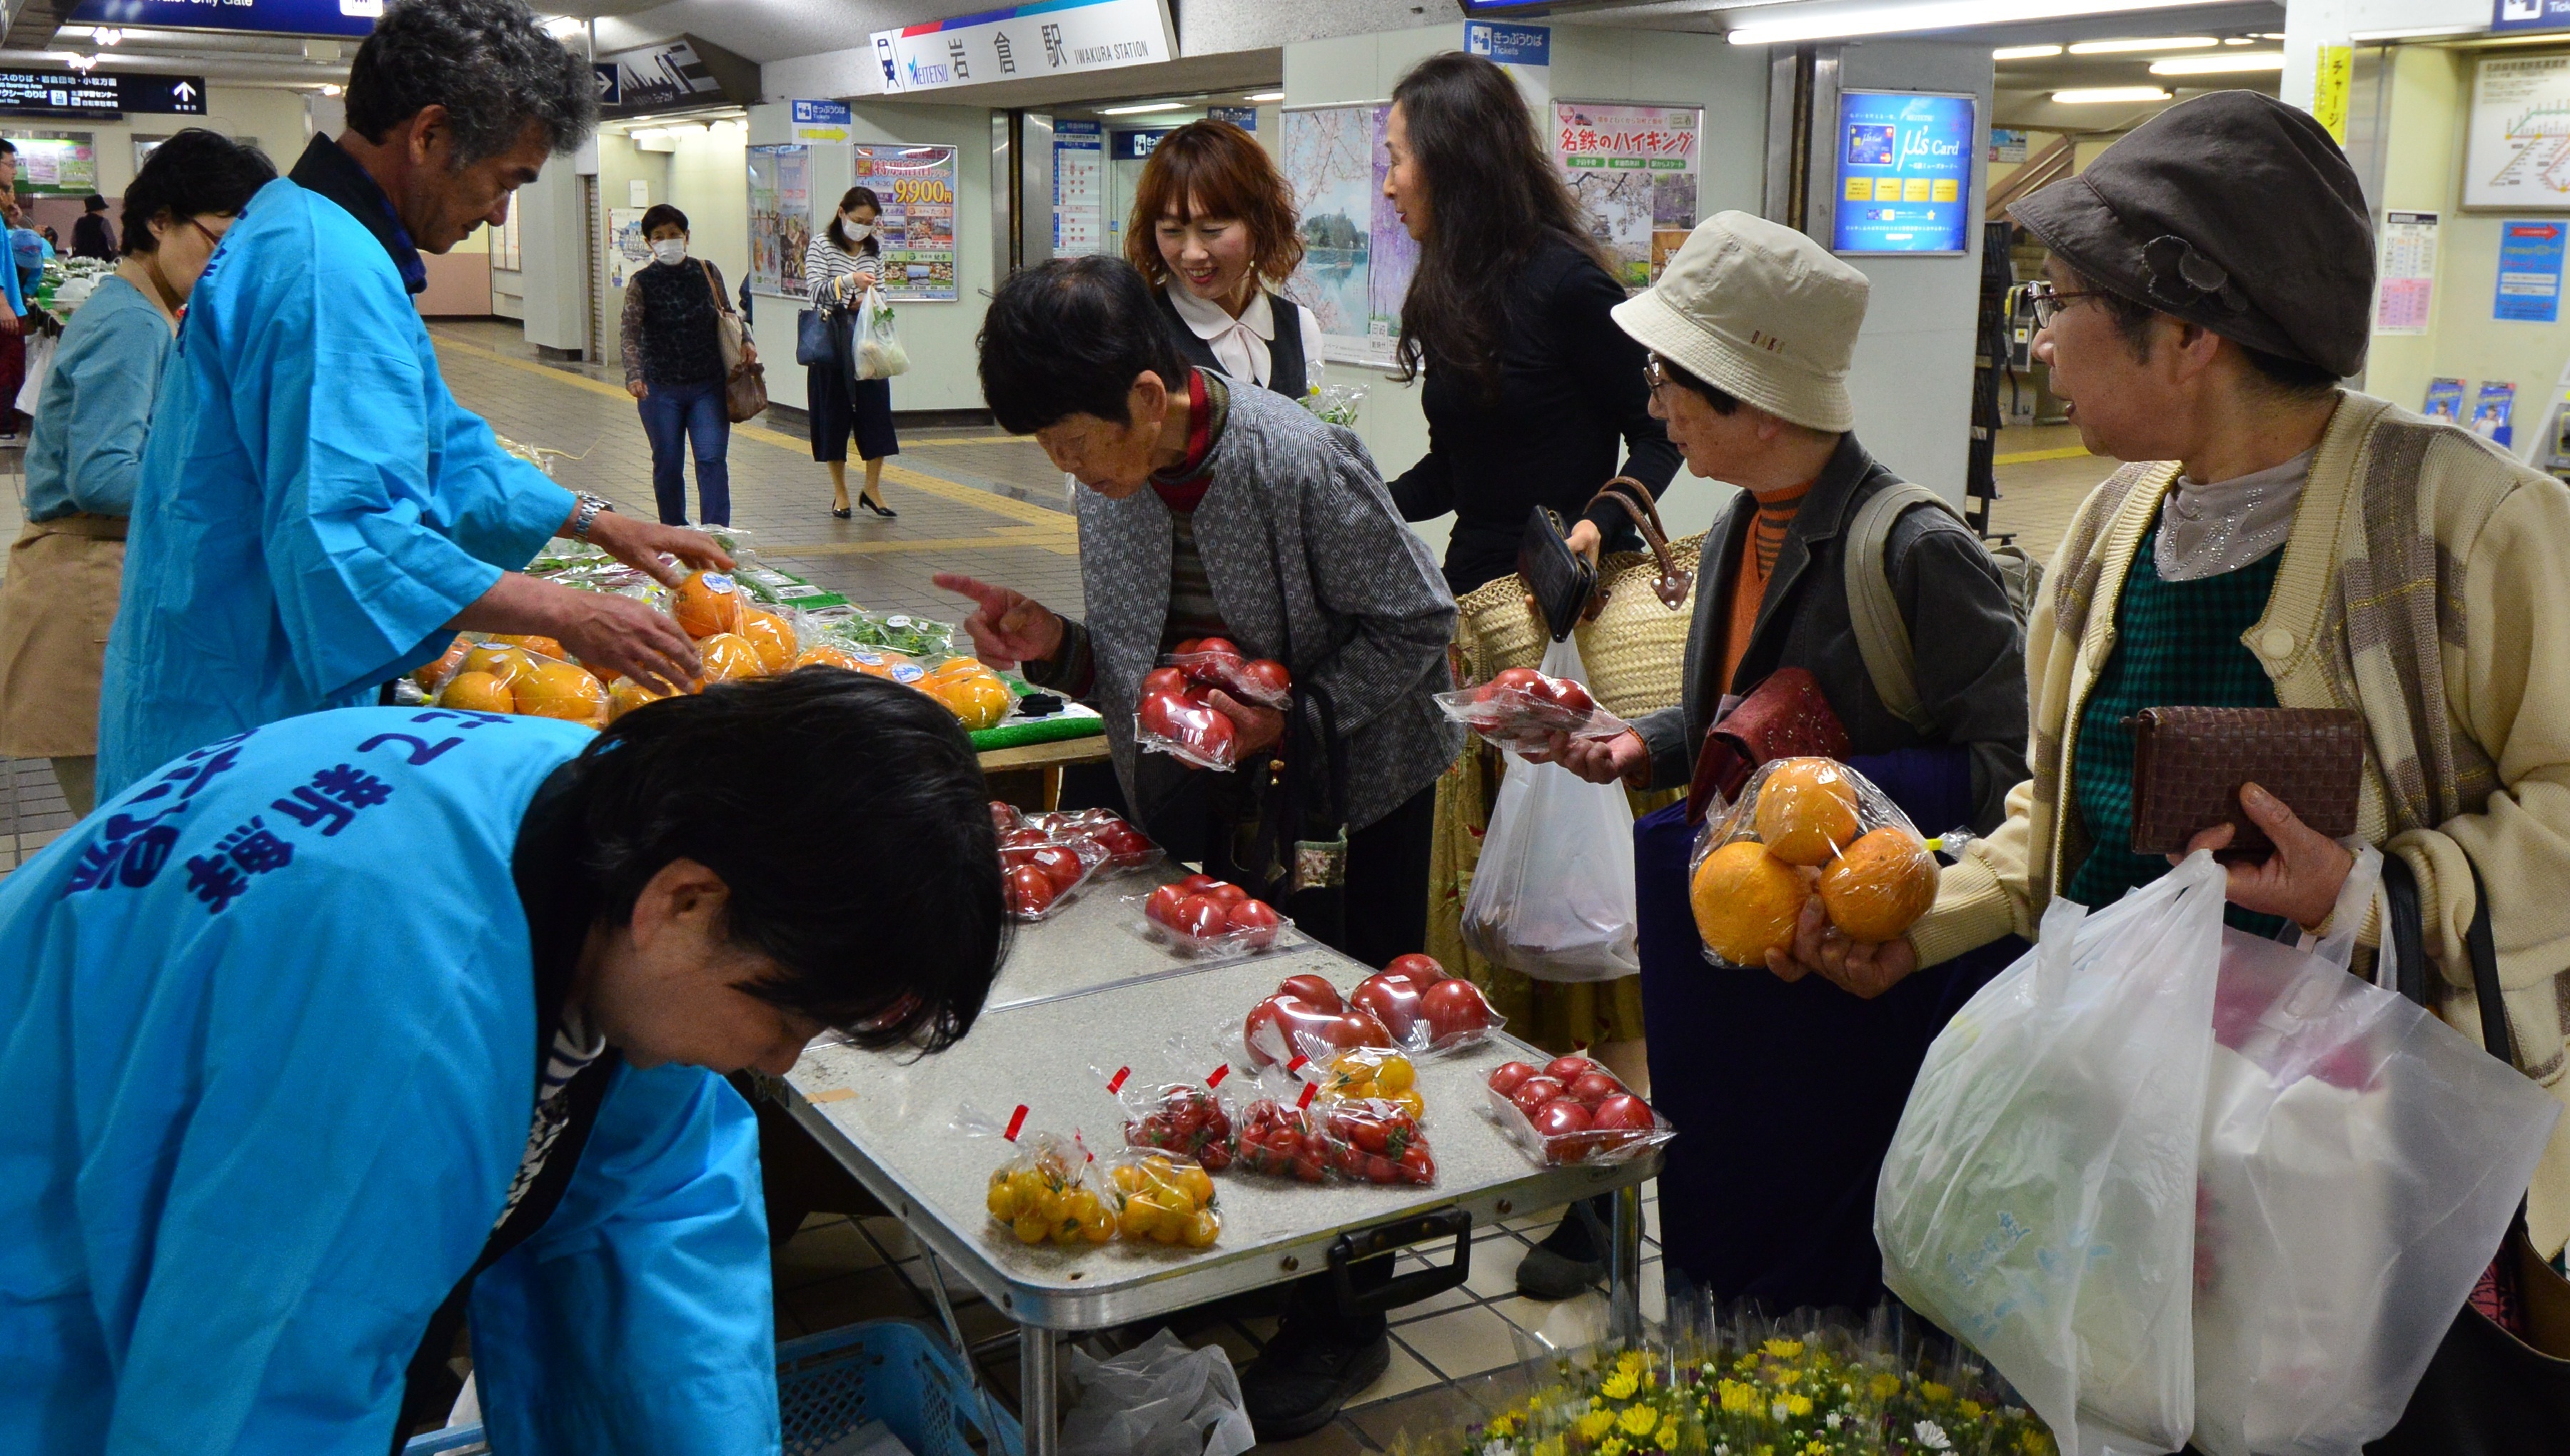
1212	510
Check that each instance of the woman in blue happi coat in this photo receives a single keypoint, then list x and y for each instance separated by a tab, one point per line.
325	1034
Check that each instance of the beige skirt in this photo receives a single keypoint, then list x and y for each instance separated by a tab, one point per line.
55	609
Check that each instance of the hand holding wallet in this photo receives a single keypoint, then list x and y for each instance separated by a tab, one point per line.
2189	764
1560	580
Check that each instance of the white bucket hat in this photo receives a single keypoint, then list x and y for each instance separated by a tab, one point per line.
1760	312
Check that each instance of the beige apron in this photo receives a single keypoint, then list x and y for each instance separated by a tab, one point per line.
55	609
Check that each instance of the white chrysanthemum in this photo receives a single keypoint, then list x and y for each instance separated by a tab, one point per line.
1932	1436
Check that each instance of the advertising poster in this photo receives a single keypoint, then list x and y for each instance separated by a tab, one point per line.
2405	279
780	218
2445	401
2007	145
2516	148
626	252
63	166
1904	172
917	184
1357	258
2529	272
1078	188
1634	170
2493	413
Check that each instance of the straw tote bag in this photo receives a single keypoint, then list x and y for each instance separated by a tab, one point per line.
1633	639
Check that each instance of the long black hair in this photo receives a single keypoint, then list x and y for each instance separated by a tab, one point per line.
1493	198
858	198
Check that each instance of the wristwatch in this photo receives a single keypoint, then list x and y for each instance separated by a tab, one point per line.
587	515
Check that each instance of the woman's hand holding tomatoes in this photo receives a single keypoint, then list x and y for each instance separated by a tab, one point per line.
1255	729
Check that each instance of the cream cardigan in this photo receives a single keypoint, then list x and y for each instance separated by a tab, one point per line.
2412	541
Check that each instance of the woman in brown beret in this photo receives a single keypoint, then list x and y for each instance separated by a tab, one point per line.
2277	540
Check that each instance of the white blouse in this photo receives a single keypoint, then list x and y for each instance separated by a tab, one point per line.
1240	344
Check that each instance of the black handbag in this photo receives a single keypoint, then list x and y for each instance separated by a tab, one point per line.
2487	1392
1296	853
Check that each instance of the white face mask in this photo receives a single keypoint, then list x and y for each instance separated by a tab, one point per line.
670	251
857	232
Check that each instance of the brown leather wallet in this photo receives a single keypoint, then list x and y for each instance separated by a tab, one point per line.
2190	763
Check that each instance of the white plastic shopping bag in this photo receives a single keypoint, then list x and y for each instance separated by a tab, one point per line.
2360	1161
40	365
2038	1199
879	351
1553	894
1160	1398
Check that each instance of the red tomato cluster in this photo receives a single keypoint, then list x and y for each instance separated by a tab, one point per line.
1521	708
1279	1140
1183	722
1205	910
1191	1121
1038	869
1420	1004
1376	1142
1307	1012
1214	662
1575	1106
1536	688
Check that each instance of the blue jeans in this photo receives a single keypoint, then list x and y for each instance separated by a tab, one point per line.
675	414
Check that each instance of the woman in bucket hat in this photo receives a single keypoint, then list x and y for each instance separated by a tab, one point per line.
1751	332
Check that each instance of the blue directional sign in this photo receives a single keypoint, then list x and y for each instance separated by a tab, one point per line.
354	18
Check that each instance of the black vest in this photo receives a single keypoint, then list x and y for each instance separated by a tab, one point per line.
1287	369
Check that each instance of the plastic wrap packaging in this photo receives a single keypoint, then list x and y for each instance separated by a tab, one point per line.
1361	1075
1803	827
1372	1140
1306	1017
1006	817
1522	707
1201	915
526	675
912	637
1423	1009
1161	1199
1160	1398
2039	1196
1206	663
1039	875
1126	847
1572	1110
1174	1110
1182	724
1336	403
1042	1191
1275	1135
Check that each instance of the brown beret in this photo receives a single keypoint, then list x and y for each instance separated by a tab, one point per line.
2232	211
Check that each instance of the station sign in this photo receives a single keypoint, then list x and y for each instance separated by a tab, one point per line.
353	19
99	94
2530	15
1046	38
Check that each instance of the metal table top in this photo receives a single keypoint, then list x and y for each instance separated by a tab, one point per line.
888	1119
1091	943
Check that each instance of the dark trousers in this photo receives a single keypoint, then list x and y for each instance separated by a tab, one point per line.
679	415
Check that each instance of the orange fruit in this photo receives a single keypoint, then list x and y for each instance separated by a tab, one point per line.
625	695
1880	885
508	665
826	655
707	602
771	634
977	702
561	690
1806	811
1745	900
436	673
959	667
477	692
546	645
884	663
728	657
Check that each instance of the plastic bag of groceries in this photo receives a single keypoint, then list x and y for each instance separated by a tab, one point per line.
1553	894
1805	827
1160	1398
2038	1199
2360	1160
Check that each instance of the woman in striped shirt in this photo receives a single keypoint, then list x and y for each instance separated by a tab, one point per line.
844	260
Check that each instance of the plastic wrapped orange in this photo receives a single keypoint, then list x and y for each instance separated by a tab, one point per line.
625	695
1806	828
563	690
771	634
477	692
978	700
1746	901
542	647
1806	811
825	655
1880	885
504	662
728	657
434	676
707	602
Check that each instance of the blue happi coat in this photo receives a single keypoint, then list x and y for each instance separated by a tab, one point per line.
267	1060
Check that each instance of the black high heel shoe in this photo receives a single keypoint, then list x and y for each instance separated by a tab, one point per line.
883	510
841	512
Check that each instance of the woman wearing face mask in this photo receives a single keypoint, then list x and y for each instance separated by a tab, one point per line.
845	262
1213	232
673	367
68	565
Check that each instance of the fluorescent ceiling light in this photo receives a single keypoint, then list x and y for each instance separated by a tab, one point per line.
105	35
2143	43
1268	96
2024	53
2237	40
2094	95
1832	24
329	90
1135	110
2218	65
563	27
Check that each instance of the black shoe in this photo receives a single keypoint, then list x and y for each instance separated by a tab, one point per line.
878	508
1299	1383
841	512
1571	1259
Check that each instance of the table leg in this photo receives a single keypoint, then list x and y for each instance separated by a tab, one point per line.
1624	1265
1037	1391
1051	787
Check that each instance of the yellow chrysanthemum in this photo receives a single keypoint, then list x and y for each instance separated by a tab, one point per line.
1786	1378
1500	1426
1884	1387
2035	1443
1667	1435
1548	1446
1798	1406
1971	1409
1596	1424
1622	1385
1783	1349
1816	1448
1612	1446
1737	1400
1934	1392
1630	1360
1748	1362
1639	1420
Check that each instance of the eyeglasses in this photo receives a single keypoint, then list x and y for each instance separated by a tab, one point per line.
1654	376
2048	301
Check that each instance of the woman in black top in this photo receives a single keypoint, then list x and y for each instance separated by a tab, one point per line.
1530	385
1212	231
673	368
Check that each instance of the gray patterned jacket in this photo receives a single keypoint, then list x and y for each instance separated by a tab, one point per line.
1303	545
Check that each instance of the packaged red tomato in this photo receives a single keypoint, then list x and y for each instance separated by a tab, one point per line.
1374	1140
1180	723
1005	816
1423	1009
1213	663
1572	1110
1276	1136
1126	848
1038	873
1521	708
1202	915
1042	1191
1306	1017
1176	1112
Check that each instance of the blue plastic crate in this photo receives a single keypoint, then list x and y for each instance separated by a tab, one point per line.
897	1372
